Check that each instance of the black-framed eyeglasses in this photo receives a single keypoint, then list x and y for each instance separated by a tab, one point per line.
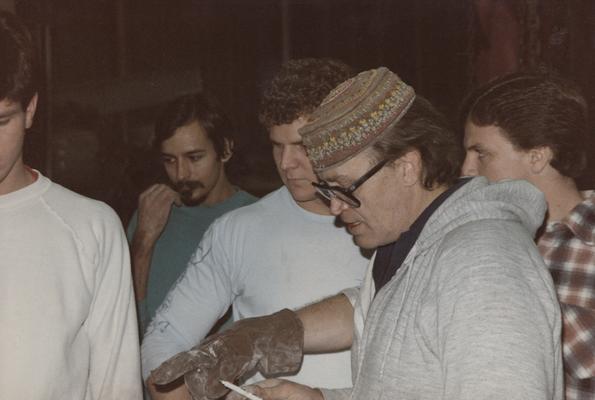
346	195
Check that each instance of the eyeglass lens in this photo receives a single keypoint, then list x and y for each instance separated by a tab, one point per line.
330	194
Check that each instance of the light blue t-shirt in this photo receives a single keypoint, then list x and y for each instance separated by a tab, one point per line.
270	255
179	239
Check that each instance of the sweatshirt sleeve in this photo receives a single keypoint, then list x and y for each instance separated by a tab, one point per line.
336	394
114	371
497	319
200	297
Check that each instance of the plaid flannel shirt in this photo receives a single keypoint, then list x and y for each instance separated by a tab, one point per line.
568	248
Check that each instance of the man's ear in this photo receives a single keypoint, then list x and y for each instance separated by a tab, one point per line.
410	165
227	150
539	158
30	111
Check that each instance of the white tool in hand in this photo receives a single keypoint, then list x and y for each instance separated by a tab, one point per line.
239	390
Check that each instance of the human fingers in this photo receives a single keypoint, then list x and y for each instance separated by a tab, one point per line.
278	389
232	395
170	196
281	389
152	188
163	191
177	199
260	389
147	192
149	195
269	383
157	202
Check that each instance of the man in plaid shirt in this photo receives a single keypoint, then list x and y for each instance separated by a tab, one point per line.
534	127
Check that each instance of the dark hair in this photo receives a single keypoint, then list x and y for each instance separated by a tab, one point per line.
194	107
534	110
299	87
18	66
425	129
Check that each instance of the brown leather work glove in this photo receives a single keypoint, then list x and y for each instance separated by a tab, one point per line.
273	344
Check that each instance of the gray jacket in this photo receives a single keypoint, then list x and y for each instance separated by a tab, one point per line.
471	314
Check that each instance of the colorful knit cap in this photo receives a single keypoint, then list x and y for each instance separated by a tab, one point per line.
354	115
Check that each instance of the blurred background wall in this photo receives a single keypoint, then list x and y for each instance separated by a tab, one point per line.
109	65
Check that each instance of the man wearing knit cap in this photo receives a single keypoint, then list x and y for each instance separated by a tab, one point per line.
457	303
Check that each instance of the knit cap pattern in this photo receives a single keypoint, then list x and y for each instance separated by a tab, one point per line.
354	115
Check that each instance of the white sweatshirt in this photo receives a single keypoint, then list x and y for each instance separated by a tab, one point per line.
67	317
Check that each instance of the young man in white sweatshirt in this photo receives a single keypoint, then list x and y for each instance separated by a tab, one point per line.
67	318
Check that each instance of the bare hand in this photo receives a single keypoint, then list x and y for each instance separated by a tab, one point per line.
154	206
279	389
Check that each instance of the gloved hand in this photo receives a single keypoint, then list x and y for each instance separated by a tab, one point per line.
273	344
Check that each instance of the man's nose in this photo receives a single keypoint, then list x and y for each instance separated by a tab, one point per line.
337	206
182	171
288	158
469	167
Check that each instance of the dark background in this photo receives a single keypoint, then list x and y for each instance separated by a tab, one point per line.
108	66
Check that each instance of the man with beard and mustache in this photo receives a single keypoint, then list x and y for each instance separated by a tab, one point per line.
193	139
286	250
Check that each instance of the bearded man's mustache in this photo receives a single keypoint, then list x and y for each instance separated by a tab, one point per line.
185	188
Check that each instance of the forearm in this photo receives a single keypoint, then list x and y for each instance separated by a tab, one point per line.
142	253
195	302
328	325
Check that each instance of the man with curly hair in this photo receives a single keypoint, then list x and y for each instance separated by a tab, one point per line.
283	251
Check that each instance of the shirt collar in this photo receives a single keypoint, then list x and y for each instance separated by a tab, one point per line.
581	220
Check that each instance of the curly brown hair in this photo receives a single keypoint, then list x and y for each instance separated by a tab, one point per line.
299	87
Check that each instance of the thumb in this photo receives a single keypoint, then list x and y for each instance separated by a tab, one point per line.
269	393
269	389
178	201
